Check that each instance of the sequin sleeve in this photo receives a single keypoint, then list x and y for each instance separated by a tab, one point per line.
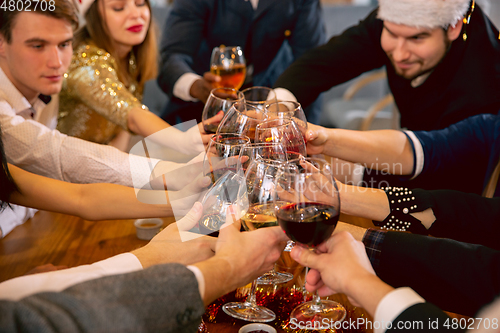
93	79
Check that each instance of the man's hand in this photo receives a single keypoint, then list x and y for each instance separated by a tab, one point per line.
201	88
339	266
167	246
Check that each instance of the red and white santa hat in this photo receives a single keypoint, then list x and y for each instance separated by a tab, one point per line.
423	13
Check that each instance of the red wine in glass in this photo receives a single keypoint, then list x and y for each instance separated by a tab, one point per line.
308	223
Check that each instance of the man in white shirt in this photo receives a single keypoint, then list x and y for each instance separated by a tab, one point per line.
35	52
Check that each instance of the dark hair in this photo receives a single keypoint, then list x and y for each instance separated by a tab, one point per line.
7	184
63	9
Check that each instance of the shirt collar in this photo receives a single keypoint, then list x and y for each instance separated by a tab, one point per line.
14	97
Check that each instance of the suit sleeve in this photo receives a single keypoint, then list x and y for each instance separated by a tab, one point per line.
463	217
457	277
143	301
461	151
344	57
181	40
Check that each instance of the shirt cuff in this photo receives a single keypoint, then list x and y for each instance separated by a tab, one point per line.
56	281
183	85
201	279
141	169
392	305
283	94
418	153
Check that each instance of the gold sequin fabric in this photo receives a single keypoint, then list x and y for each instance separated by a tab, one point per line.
94	103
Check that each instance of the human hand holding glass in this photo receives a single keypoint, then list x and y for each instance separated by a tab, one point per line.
307	207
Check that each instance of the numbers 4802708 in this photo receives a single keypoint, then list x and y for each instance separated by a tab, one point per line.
471	323
28	5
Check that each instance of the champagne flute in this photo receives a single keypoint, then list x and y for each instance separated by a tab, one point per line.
259	96
284	131
242	119
307	207
229	63
287	109
220	99
222	154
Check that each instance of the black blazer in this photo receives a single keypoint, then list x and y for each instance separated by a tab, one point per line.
456	276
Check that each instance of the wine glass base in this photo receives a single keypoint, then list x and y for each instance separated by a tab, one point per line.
245	311
275	278
327	311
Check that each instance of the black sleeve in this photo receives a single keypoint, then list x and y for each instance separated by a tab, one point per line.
457	277
356	51
423	317
159	299
464	217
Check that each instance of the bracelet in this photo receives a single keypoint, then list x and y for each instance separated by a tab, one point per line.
402	203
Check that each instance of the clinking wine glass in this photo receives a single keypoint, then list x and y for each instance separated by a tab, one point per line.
229	63
259	96
287	109
260	184
284	131
307	207
222	154
242	119
220	99
266	151
228	190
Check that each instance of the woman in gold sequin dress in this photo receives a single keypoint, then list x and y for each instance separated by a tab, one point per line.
115	54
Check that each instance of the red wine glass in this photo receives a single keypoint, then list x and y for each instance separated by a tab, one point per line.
307	206
284	131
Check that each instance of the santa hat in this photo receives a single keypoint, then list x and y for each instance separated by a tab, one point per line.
423	13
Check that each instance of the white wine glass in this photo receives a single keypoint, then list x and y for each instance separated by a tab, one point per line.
220	99
229	63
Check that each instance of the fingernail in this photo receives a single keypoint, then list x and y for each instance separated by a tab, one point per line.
296	251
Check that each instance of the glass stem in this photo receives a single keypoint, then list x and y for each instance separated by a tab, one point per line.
252	298
316	302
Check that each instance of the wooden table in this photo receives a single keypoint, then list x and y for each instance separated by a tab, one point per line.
50	238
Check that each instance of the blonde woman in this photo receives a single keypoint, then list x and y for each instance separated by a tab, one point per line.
115	54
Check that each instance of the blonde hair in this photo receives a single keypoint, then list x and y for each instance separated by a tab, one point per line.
146	53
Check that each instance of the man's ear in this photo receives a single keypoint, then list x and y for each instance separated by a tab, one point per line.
454	31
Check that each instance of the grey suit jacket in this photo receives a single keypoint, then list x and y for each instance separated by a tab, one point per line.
159	299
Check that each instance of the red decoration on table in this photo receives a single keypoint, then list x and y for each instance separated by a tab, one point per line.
279	299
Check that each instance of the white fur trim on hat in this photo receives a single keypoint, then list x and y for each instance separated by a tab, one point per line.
423	13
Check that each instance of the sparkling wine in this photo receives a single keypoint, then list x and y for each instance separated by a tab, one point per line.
232	77
259	216
309	223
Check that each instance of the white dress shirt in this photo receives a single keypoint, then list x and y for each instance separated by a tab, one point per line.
32	145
